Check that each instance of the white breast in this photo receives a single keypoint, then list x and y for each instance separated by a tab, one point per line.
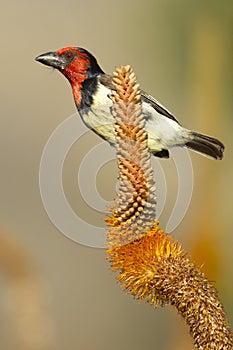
99	117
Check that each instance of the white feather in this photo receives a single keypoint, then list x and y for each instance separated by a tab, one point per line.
163	132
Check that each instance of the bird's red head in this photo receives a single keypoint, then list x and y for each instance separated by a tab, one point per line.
75	63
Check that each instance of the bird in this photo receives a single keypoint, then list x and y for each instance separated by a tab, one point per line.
92	92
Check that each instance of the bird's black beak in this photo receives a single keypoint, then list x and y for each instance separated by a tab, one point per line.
52	59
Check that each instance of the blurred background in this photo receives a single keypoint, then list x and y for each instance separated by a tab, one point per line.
57	294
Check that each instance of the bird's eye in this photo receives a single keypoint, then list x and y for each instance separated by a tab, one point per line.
69	55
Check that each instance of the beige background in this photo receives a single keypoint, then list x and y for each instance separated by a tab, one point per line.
54	293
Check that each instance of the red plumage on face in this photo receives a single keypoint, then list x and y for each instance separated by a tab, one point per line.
77	71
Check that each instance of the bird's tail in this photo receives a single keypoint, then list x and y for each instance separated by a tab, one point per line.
206	145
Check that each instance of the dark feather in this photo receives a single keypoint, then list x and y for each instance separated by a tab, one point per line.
161	154
206	145
157	106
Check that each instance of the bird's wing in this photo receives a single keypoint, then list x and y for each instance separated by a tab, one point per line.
157	106
106	80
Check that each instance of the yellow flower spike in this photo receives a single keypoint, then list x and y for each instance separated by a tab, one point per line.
150	265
